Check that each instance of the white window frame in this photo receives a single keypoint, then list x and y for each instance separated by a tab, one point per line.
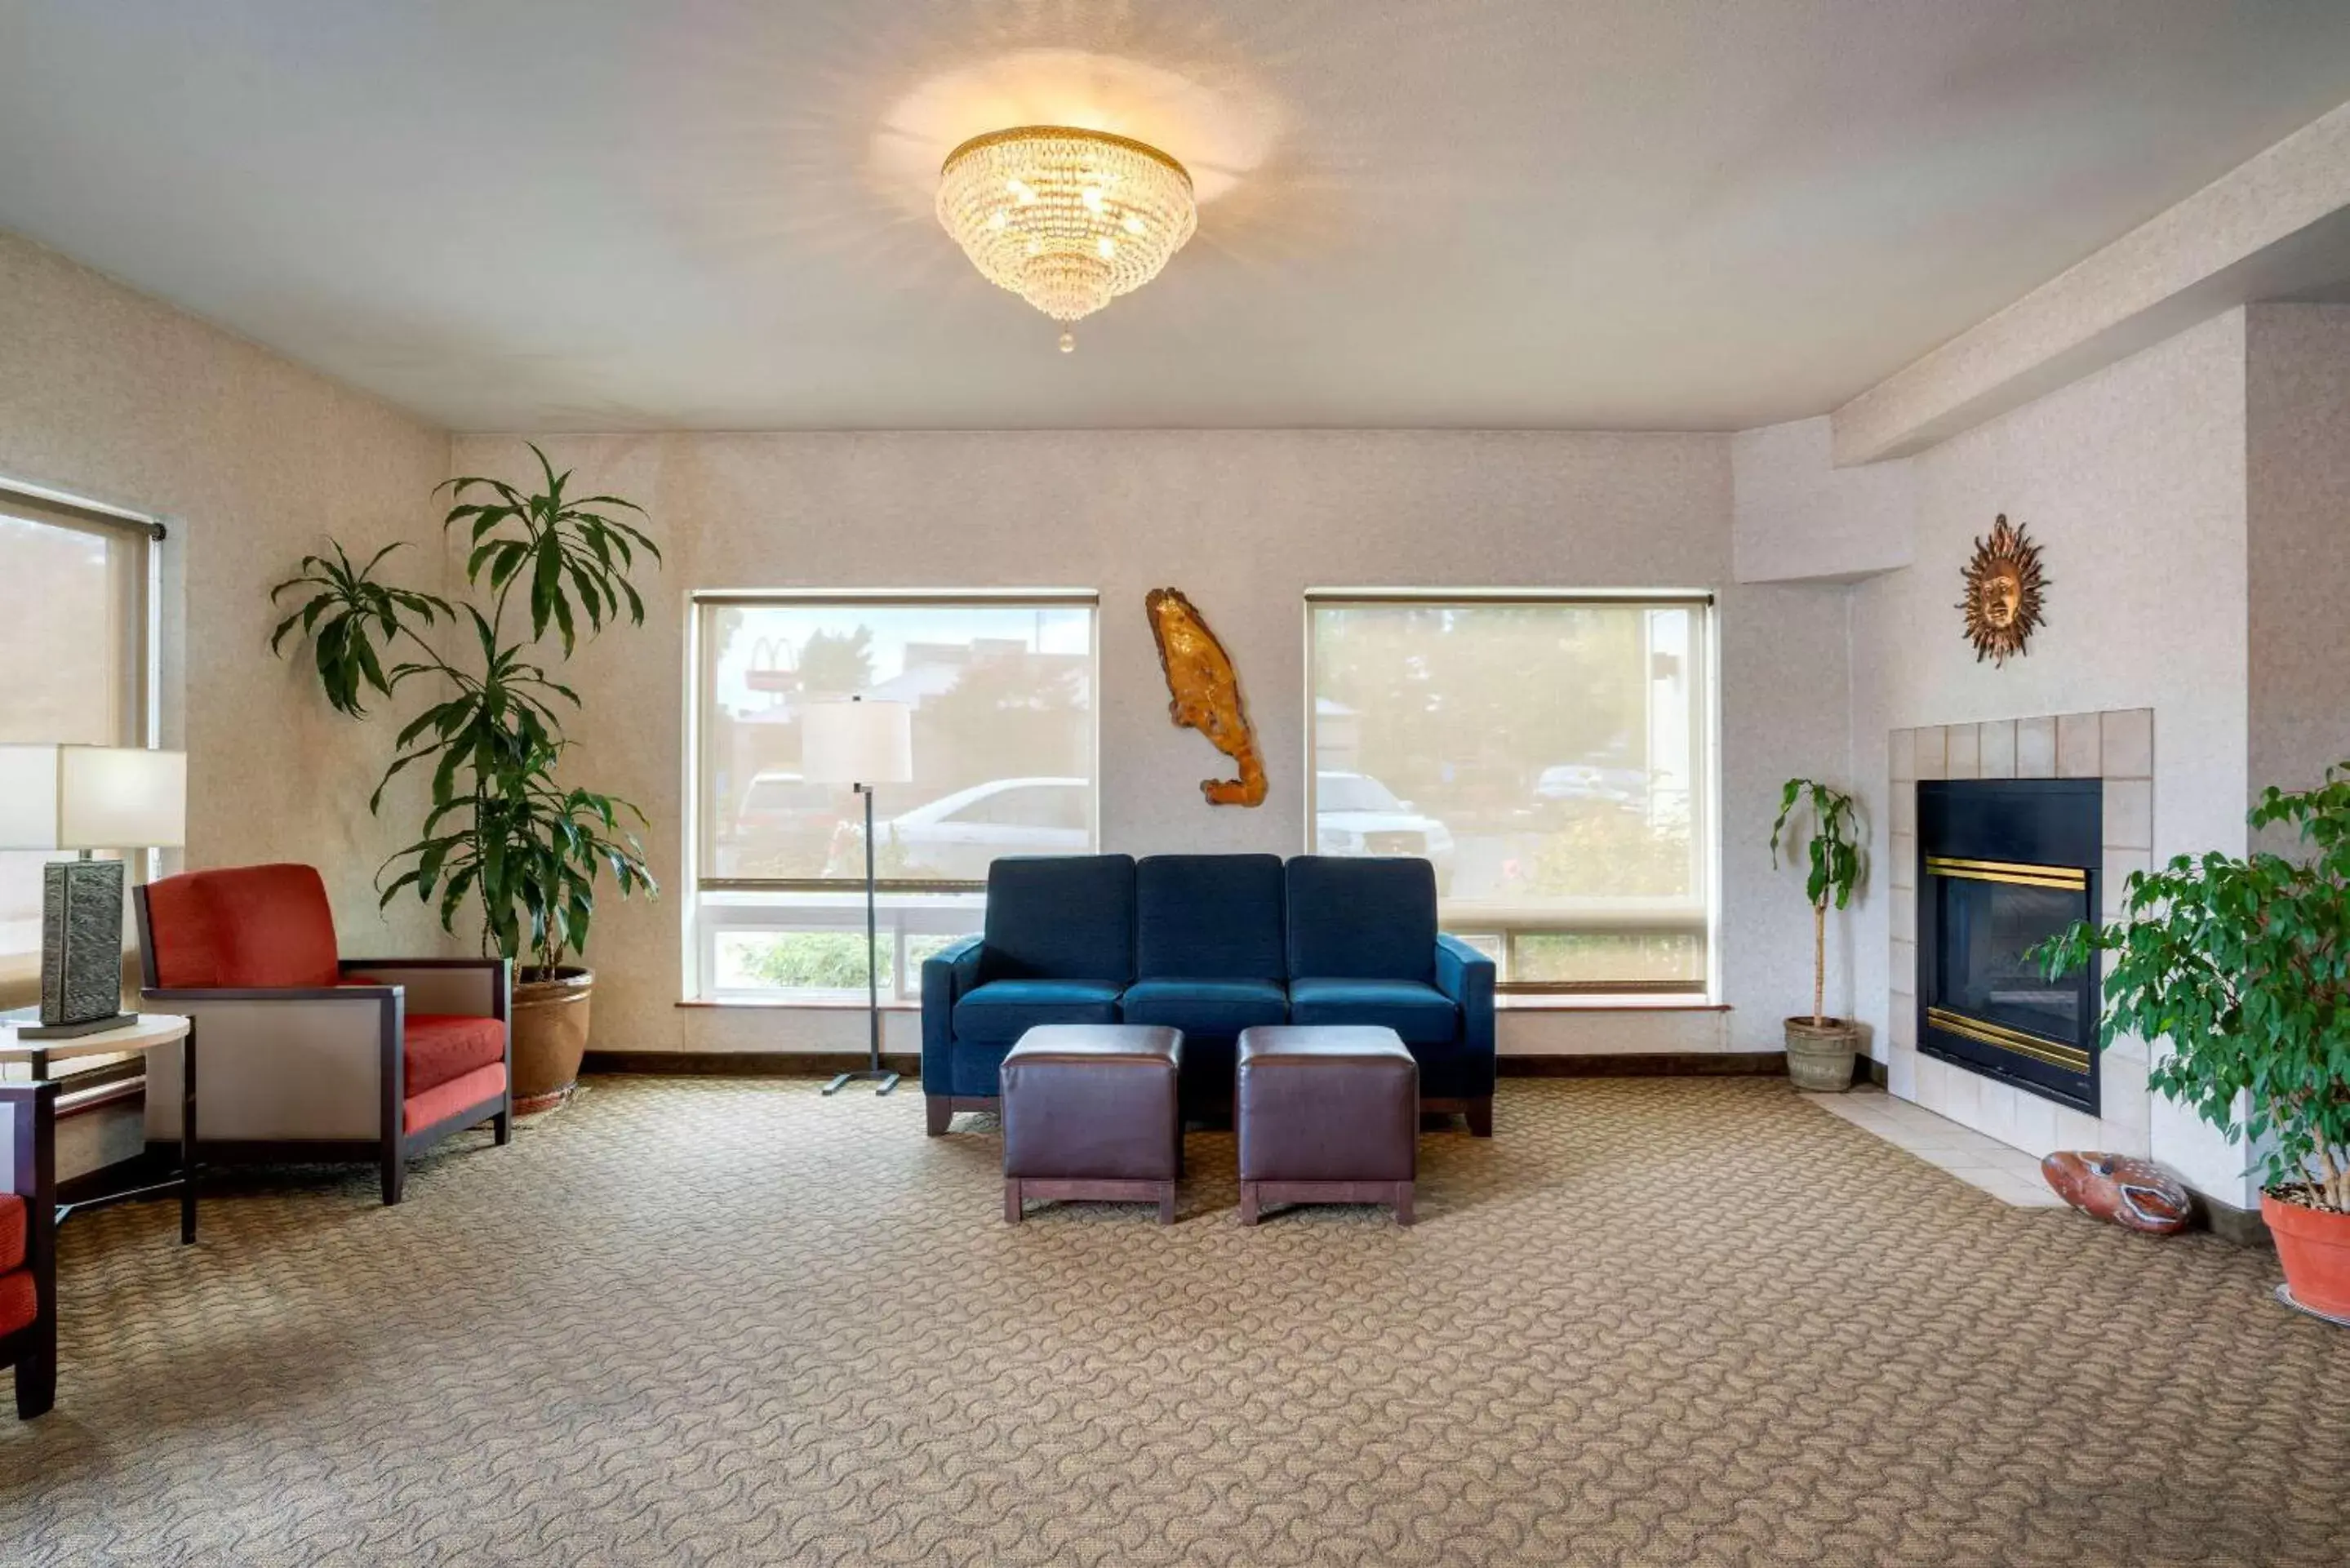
1704	992
904	908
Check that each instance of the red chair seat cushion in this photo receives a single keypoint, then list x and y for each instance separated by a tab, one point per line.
20	1304
12	1231
442	1048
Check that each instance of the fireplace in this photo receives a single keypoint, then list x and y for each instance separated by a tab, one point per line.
2004	864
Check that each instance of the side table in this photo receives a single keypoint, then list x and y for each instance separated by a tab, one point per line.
153	1031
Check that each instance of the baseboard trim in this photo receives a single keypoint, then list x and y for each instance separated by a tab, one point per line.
745	1063
824	1064
1649	1064
2244	1227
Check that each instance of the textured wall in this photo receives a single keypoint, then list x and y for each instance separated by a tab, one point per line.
1244	522
2297	404
253	462
2133	482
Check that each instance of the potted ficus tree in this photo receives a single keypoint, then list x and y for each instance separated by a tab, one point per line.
507	840
2242	967
1820	1049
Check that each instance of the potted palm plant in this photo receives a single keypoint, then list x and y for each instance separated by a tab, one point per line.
1821	1049
506	839
2242	967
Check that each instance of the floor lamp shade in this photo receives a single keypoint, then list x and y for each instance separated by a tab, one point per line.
857	742
87	798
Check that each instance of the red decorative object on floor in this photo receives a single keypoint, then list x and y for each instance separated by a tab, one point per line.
2135	1194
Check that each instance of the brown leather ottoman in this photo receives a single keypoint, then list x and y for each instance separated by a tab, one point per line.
1090	1112
1328	1113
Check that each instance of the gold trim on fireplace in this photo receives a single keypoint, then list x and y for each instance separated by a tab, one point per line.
2054	1052
2070	877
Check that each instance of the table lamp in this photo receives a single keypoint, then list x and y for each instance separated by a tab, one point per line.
860	744
86	798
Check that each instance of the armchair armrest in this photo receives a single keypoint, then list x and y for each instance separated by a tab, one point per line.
467	987
284	1062
28	1164
1466	976
947	975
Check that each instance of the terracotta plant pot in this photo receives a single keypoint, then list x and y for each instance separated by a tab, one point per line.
2314	1245
550	1035
1820	1056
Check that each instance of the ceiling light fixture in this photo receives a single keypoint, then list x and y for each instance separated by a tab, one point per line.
1066	218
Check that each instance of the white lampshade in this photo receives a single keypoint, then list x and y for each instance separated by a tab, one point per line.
92	797
857	742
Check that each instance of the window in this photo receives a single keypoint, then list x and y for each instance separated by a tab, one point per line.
1003	694
1551	756
75	643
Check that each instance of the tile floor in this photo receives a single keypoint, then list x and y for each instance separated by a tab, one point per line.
2008	1174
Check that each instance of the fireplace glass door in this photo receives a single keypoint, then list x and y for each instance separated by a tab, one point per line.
1986	928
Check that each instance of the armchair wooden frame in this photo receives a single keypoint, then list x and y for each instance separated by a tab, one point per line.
393	1142
30	1111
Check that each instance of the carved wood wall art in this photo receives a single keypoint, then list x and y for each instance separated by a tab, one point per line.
2003	582
1203	693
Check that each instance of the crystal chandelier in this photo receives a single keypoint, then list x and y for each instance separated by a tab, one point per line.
1066	218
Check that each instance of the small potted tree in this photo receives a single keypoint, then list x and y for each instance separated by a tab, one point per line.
506	838
2242	967
1820	1049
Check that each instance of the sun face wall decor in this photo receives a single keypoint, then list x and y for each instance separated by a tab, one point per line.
2005	587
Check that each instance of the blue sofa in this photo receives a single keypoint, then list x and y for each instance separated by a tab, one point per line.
1210	944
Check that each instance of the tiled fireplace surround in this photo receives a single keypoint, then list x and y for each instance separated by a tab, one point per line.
2116	747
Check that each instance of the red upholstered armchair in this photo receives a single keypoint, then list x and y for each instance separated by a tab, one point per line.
303	1055
28	1246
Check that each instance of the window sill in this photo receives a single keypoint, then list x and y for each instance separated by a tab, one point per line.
794	1003
1500	1004
1625	1003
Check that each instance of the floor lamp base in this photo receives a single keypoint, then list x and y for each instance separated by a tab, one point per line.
889	1080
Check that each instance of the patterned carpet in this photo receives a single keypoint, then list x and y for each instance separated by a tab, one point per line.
1658	1321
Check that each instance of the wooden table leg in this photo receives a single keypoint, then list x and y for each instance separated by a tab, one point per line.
188	1136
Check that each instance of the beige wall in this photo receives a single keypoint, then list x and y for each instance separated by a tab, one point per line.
1244	522
2297	367
2133	482
253	462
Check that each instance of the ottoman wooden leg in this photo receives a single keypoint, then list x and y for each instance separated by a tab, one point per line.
1012	1208
1403	1203
1248	1202
1167	1203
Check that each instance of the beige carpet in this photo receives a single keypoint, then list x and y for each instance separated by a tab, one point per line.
1660	1322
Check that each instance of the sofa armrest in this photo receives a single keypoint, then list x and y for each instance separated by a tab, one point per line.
284	1064
947	975
465	987
1466	976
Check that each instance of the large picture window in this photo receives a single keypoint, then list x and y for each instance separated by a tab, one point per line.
1002	689
74	646
1551	757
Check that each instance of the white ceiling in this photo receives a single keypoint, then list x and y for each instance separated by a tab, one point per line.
642	214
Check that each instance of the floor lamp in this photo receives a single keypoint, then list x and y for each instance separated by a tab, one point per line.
860	745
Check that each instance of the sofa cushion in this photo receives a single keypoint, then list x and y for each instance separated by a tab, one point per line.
20	1301
440	1047
12	1231
246	926
1210	915
1001	1010
1361	919
1060	916
1205	1007
1420	1012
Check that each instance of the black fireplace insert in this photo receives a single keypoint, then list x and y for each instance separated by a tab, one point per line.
2004	864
